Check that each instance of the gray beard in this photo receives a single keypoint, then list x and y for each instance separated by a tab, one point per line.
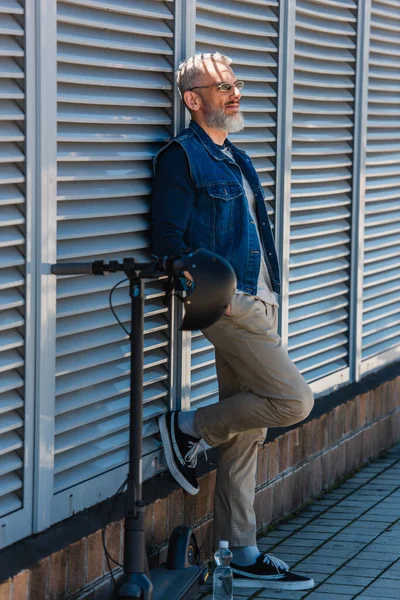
223	122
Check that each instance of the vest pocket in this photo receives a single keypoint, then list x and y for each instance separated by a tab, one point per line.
223	197
224	191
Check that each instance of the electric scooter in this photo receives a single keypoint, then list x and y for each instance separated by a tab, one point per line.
180	577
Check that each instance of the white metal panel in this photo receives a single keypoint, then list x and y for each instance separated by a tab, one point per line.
381	283
321	187
115	65
12	257
247	31
15	292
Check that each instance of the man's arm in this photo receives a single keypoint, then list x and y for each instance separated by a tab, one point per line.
173	196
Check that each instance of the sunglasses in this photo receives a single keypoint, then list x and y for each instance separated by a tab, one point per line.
223	87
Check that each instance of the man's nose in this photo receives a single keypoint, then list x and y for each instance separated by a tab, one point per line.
236	93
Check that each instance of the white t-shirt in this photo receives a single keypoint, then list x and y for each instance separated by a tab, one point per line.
264	286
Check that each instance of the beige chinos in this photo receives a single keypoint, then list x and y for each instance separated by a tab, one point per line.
259	387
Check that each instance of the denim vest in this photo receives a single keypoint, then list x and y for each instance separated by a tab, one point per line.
220	220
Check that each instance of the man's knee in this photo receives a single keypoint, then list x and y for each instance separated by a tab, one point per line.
303	404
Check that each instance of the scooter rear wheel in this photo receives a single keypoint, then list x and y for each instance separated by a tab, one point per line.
183	551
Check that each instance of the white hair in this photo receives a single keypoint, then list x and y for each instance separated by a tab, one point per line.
190	71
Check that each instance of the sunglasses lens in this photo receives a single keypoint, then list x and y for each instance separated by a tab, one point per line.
226	87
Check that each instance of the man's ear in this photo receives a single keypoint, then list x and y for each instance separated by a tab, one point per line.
191	101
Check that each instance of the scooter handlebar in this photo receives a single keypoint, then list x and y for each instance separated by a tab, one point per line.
72	269
99	267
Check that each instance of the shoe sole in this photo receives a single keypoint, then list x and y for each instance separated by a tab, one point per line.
169	457
257	581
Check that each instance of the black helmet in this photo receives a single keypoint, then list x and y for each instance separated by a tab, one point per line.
214	283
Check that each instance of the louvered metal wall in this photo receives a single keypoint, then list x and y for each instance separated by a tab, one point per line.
115	67
15	478
321	192
12	256
248	33
116	108
381	284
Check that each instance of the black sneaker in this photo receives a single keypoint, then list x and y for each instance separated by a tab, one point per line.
269	571
181	452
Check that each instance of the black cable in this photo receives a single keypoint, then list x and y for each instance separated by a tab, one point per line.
112	308
103	531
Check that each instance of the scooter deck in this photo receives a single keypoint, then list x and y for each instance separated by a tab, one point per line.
179	584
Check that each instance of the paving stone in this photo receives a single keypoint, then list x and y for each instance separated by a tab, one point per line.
317	595
386	519
323	527
349	580
350	510
389	503
315	567
372	495
389	574
366	563
341	589
293	559
306	534
318	577
355	503
322	564
386	511
312	509
333	520
289	551
374	555
286	528
359	571
297	540
369	525
283	595
332	513
275	535
380	584
243	592
344	536
340	545
386	594
382	488
270	541
383	546
391	535
329	554
396	566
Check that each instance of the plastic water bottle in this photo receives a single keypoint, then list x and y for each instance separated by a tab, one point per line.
222	587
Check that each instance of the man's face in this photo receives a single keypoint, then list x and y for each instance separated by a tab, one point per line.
221	110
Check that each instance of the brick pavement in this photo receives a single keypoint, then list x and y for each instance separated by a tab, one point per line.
348	540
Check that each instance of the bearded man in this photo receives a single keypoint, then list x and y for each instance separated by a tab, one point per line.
207	194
